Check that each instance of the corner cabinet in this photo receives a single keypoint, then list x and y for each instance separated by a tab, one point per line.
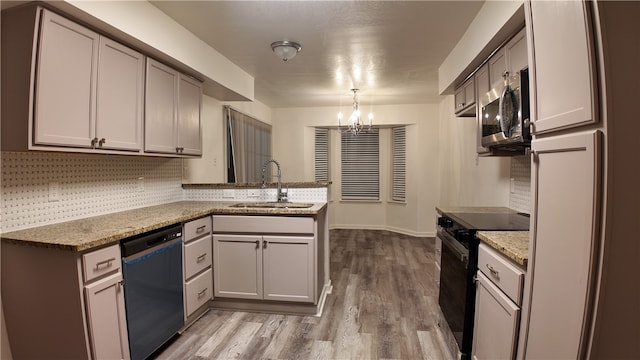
267	258
173	110
73	304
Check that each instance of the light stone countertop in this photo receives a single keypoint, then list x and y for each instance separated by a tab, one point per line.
512	244
85	234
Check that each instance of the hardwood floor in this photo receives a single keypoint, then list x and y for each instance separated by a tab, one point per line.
383	306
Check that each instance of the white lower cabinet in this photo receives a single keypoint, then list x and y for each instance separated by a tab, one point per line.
72	308
198	271
271	266
107	319
498	300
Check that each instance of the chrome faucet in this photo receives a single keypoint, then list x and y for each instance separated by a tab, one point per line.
282	196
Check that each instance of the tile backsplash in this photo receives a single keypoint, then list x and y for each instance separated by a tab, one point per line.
45	188
520	197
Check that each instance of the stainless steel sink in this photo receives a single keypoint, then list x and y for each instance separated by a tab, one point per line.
272	205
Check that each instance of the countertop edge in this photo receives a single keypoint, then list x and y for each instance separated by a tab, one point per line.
512	244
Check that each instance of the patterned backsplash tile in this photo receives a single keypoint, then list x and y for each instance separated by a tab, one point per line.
520	198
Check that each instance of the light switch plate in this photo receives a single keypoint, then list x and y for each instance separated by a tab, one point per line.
140	184
54	191
512	185
228	193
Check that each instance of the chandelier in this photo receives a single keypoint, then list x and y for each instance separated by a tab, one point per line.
354	123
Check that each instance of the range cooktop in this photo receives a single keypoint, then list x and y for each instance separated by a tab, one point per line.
491	221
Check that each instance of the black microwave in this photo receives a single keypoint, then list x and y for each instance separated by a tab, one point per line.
505	114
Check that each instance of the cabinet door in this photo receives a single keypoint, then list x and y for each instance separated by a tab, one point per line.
482	88
288	268
65	83
107	319
497	67
119	97
517	54
496	322
564	64
566	173
237	266
160	108
189	109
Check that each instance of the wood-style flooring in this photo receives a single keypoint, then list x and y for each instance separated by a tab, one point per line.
383	306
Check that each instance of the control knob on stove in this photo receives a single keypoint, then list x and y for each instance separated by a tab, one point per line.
445	222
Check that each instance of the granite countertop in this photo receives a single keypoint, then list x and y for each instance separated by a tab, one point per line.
512	244
84	234
311	184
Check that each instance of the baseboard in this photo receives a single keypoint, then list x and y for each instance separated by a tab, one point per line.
387	228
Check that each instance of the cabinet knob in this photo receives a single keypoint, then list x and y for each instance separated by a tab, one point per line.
102	141
94	141
257	244
264	244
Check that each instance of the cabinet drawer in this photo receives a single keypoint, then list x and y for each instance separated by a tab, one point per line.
197	256
198	291
197	228
100	262
501	272
263	224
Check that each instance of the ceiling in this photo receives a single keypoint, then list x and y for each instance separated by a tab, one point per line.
390	50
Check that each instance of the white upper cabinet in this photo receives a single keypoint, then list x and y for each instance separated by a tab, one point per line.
189	113
465	98
173	109
564	72
161	108
65	83
119	97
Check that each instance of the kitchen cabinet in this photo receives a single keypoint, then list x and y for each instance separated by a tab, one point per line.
265	258
483	86
73	304
198	271
566	180
465	99
173	111
511	58
564	75
497	313
87	89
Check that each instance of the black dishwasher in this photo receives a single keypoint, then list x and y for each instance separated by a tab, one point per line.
153	283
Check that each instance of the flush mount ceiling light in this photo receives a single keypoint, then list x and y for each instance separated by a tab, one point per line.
354	124
285	49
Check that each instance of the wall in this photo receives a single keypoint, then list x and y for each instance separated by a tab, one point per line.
88	185
293	147
211	167
467	179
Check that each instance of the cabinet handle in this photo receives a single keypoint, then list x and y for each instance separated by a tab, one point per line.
102	141
200	229
94	141
460	105
257	244
201	257
104	262
493	271
264	244
202	293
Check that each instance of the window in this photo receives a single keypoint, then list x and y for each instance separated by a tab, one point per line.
360	166
398	163
248	147
322	154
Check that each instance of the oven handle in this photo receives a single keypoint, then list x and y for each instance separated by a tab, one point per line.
453	245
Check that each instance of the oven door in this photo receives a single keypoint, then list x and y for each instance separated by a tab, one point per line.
454	287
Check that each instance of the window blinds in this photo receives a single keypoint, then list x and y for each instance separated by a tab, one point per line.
322	154
399	163
360	165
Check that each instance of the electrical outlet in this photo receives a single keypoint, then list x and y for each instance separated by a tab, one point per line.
512	185
228	194
253	193
140	184
54	191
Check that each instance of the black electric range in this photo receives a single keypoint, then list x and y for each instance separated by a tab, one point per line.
459	264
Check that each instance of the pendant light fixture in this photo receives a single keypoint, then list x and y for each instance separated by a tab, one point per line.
354	123
286	50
